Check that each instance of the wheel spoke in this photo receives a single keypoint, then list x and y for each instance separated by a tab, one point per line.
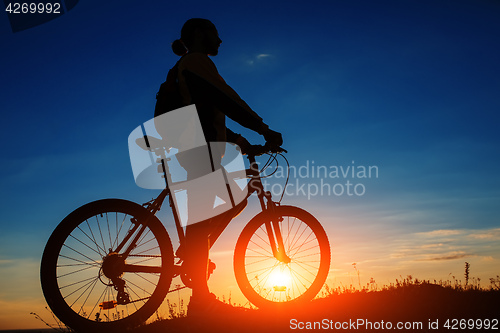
99	248
109	231
77	271
302	243
83	255
100	232
94	263
78	240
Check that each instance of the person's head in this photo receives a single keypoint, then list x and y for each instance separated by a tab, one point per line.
197	35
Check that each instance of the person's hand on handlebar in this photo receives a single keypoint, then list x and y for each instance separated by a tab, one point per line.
273	138
257	150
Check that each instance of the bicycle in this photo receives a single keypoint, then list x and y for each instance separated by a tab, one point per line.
110	263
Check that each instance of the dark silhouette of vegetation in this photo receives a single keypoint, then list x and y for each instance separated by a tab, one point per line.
408	300
428	306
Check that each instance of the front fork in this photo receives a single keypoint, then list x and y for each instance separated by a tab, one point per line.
272	223
272	220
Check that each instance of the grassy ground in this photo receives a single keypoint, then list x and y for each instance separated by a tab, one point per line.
408	305
417	306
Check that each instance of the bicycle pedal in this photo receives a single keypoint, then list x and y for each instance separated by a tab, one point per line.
108	305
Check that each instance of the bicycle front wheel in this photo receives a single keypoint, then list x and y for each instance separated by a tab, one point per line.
107	266
269	281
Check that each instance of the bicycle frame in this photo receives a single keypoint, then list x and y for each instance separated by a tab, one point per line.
255	185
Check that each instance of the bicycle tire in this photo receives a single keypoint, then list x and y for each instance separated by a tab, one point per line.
72	271
258	272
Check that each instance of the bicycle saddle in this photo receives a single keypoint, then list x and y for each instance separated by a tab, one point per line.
150	143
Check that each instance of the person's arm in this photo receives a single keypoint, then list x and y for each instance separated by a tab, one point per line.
231	136
206	85
239	140
203	91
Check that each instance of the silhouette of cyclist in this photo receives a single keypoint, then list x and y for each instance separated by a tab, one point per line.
199	83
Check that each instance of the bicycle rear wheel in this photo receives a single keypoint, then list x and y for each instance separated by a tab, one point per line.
267	281
92	284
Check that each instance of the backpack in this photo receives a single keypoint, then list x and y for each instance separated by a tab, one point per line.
168	97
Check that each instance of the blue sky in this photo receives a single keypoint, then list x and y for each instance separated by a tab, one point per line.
411	87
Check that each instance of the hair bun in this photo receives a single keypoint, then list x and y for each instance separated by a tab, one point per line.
179	48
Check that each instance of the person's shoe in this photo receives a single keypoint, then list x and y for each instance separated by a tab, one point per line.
211	267
208	306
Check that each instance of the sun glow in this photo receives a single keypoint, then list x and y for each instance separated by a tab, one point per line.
280	279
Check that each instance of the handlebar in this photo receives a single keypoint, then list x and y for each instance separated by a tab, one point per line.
156	145
258	150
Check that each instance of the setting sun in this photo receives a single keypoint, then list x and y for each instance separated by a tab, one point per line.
280	279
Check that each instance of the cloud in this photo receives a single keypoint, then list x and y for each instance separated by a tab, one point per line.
429	254
439	233
449	244
263	55
447	257
493	235
19	279
259	58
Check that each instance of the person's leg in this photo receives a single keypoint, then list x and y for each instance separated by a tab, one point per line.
194	252
196	257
